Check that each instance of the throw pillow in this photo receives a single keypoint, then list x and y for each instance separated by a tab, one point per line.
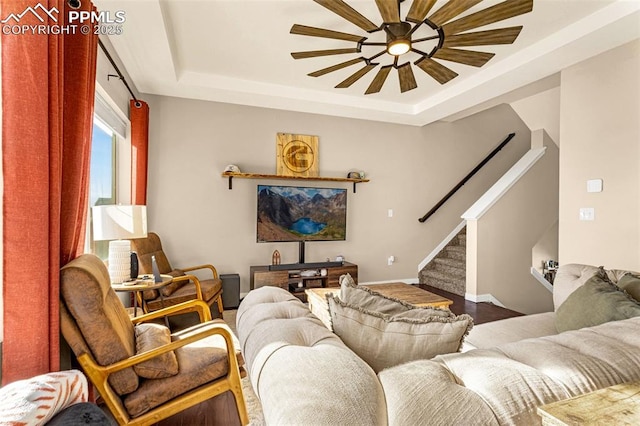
151	336
368	299
630	283
383	341
36	400
597	301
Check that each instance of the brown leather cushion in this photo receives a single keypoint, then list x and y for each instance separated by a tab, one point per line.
169	289
210	288
200	363
100	316
147	247
151	336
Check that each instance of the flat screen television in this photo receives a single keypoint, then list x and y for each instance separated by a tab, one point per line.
294	213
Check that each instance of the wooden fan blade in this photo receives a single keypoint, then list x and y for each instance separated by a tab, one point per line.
419	10
467	57
356	76
438	71
450	10
499	12
389	10
340	8
321	32
407	79
483	38
314	53
378	80
335	67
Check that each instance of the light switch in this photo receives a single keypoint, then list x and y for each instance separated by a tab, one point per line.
587	213
594	185
390	213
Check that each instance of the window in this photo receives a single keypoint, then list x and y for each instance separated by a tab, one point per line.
102	177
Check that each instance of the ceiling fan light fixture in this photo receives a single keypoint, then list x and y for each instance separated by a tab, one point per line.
398	47
398	38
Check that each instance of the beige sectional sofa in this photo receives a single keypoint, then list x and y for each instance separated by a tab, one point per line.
304	374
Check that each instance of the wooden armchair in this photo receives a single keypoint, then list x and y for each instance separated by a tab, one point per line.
144	373
184	286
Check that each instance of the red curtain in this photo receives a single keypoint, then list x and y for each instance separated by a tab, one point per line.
48	84
139	115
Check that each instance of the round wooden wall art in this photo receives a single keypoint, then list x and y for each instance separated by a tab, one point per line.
297	155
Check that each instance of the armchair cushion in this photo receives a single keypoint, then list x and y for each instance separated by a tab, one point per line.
101	318
200	363
169	289
185	293
151	336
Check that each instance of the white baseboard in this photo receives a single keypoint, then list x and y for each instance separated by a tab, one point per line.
477	298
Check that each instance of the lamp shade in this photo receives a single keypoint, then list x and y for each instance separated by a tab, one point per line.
119	222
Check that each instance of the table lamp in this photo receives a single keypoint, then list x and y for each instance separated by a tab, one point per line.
117	224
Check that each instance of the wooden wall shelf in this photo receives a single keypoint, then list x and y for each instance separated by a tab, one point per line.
231	175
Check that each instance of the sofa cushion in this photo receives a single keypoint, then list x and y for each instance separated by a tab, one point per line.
35	400
597	301
512	380
369	299
375	337
494	333
150	336
631	284
568	278
303	373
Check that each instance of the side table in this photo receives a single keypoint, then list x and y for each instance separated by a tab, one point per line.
143	283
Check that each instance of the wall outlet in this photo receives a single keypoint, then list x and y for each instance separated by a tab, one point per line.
587	213
390	260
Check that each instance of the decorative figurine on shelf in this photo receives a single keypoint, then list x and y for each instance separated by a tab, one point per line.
275	258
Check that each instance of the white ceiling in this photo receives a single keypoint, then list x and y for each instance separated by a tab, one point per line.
238	51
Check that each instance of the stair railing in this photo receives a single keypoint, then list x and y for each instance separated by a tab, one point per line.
466	178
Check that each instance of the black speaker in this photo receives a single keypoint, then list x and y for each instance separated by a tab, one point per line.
134	265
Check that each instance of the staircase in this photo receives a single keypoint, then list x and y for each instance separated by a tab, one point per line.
447	271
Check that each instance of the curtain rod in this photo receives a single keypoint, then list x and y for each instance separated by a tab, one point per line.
120	76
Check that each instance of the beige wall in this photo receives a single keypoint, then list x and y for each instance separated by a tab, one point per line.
508	231
600	134
410	168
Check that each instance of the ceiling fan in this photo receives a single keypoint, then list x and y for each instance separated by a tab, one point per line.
402	37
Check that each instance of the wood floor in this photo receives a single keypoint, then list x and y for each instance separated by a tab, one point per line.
480	312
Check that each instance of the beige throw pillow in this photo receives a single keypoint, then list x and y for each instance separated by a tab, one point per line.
383	341
366	298
151	336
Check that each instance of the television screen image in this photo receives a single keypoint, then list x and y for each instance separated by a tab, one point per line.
291	213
